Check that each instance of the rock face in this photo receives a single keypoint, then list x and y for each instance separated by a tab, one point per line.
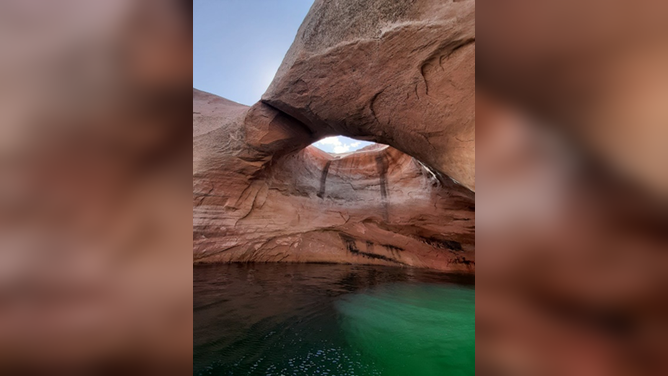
262	194
397	74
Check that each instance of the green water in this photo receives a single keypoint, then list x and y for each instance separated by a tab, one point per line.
283	319
413	329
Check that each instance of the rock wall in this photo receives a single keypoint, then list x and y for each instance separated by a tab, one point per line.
400	74
395	72
261	194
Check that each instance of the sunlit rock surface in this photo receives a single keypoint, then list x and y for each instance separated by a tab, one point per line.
396	73
262	194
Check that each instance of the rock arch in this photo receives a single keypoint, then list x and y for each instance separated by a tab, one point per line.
405	79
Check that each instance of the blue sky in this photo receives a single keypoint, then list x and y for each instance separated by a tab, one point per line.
238	46
340	144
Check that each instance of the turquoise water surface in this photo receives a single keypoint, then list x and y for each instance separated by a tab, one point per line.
296	319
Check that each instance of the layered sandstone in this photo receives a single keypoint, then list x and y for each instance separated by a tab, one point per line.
399	74
262	194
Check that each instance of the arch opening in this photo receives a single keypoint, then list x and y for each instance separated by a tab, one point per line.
339	145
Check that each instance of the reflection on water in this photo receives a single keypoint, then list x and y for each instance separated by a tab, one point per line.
309	319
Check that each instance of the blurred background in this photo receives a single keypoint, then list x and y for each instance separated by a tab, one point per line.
572	176
95	187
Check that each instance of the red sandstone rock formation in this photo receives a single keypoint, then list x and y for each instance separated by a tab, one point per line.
400	74
262	194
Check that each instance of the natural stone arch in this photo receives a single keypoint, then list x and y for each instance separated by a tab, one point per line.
397	75
403	76
261	193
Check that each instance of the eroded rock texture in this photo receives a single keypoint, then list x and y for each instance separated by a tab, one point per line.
397	73
261	194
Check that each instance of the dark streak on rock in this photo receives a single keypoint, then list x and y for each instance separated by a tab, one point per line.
382	173
323	179
351	246
462	260
392	248
381	163
444	244
455	246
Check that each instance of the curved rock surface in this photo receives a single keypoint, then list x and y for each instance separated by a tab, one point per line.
396	73
262	194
